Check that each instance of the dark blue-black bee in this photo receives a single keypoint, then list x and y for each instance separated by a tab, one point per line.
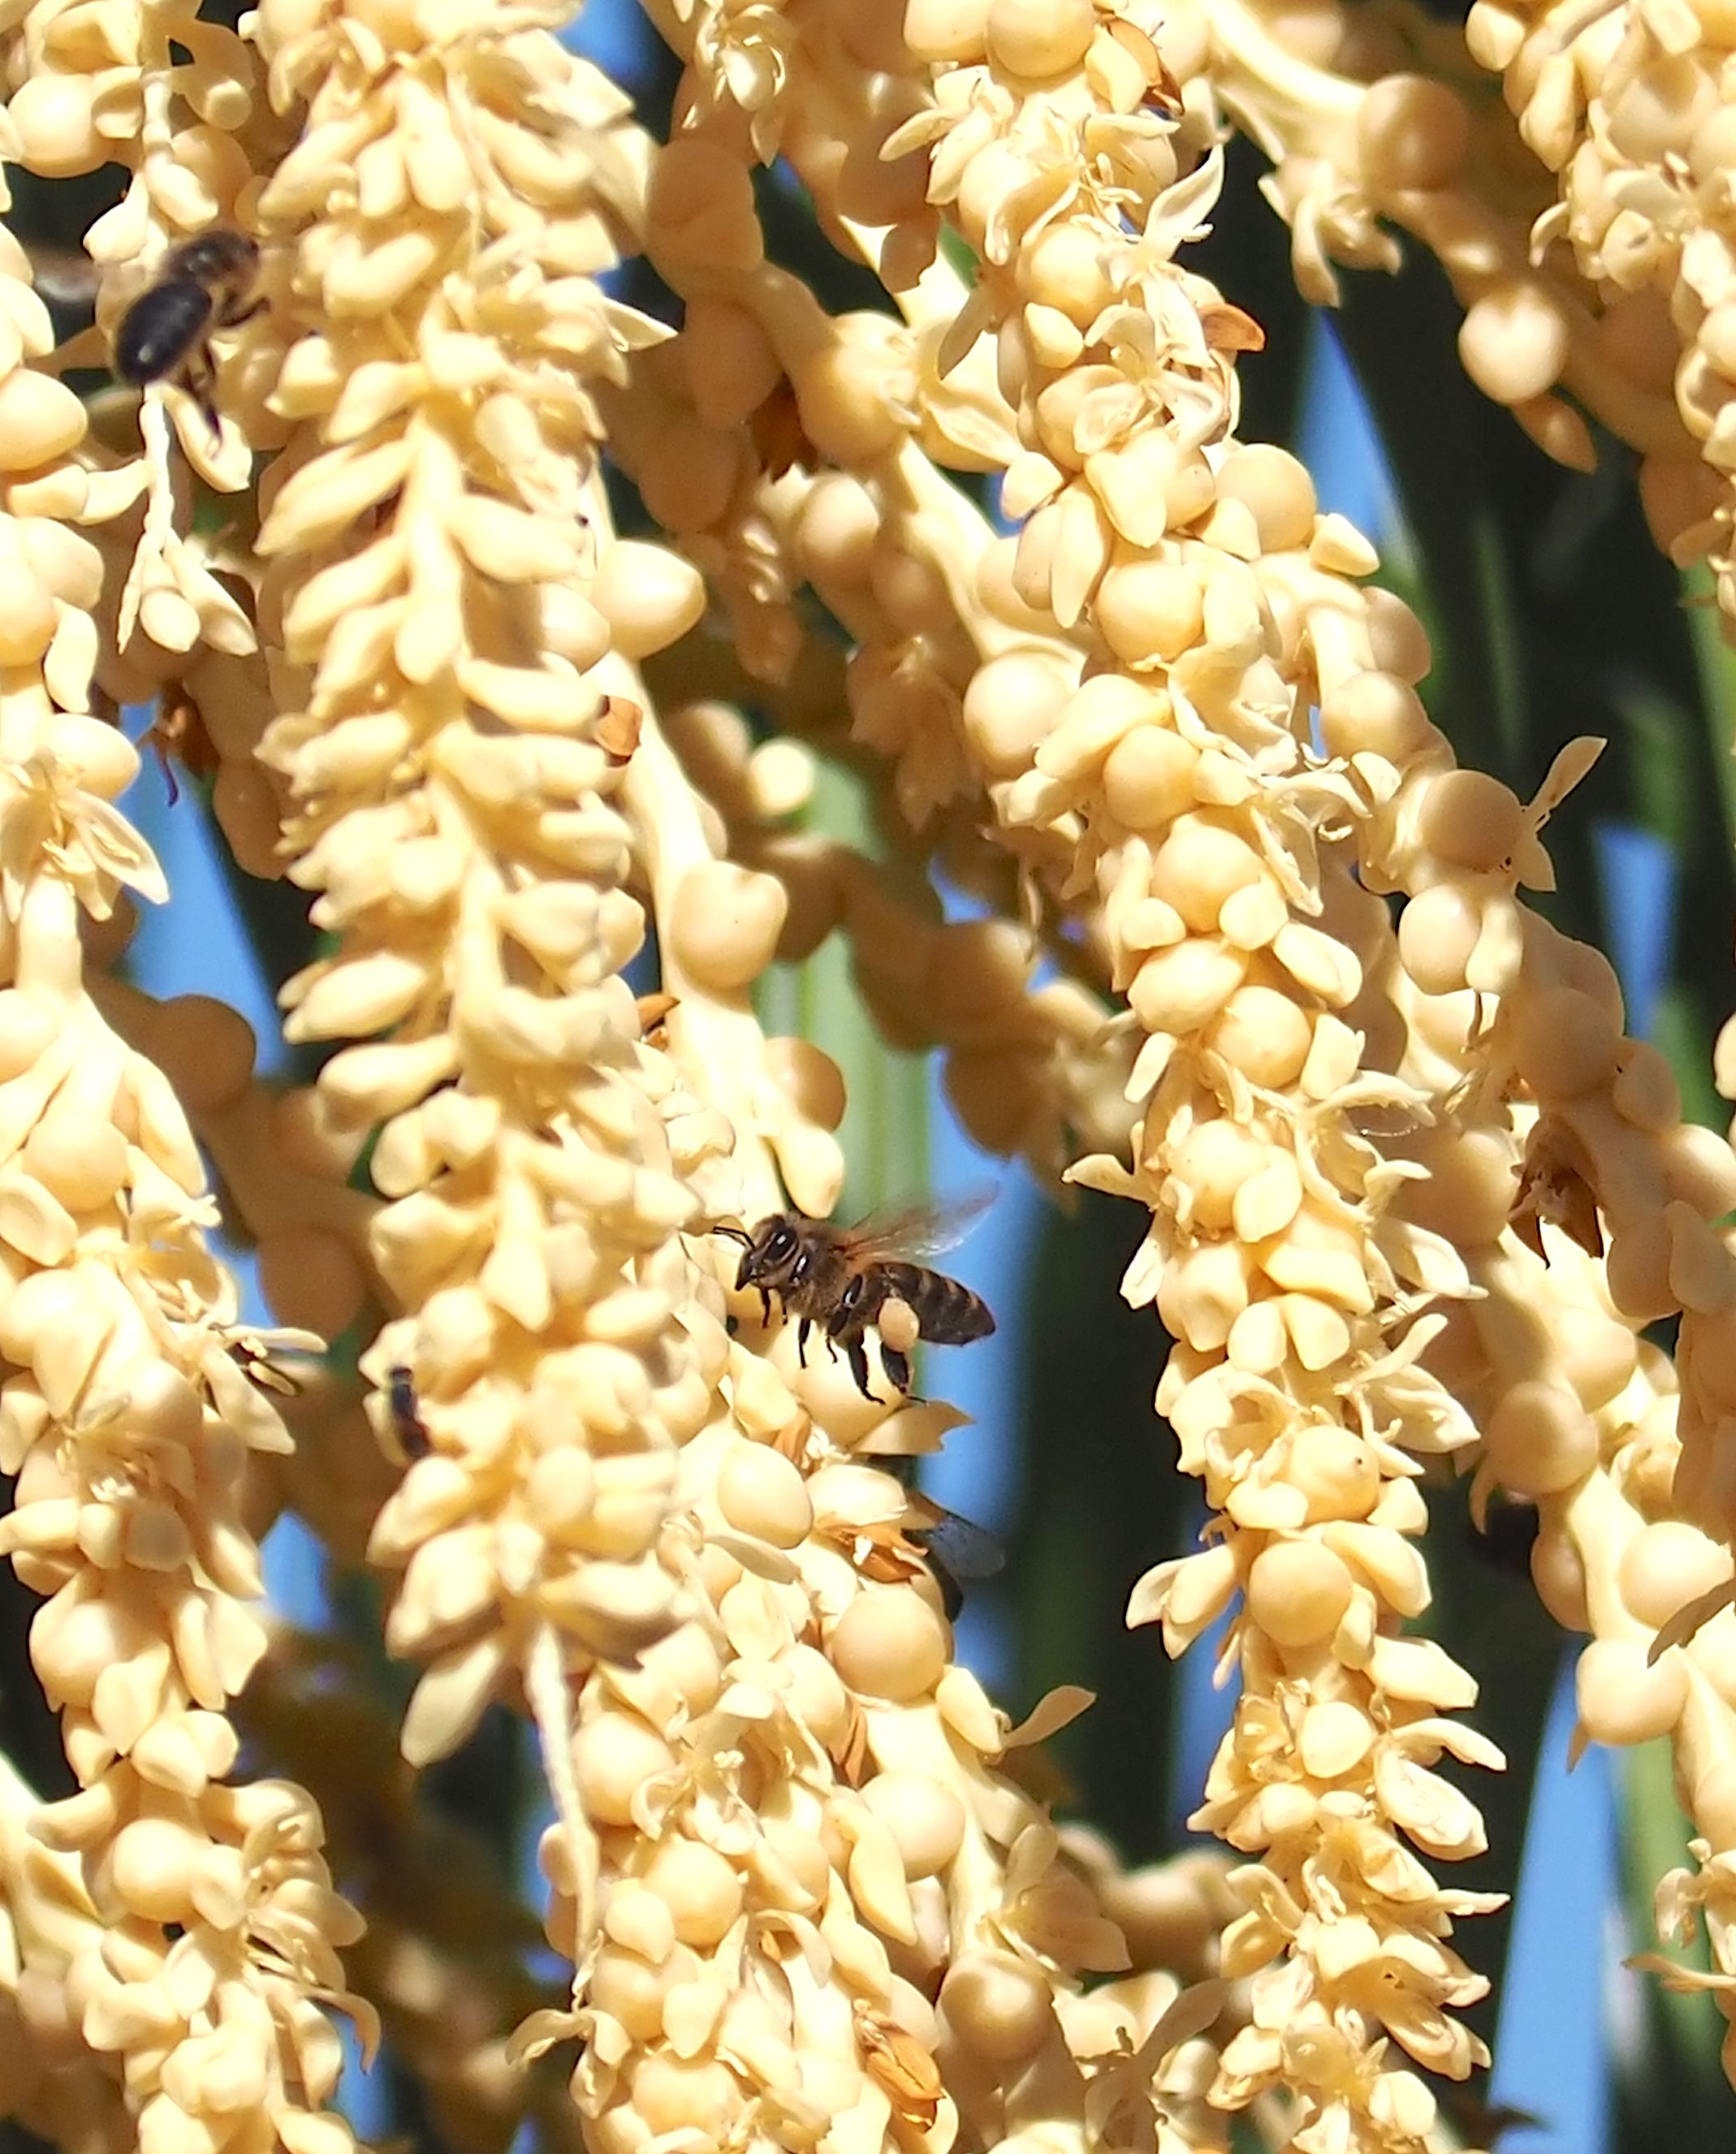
204	284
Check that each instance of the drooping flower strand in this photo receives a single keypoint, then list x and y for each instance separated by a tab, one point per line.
1383	706
531	1234
1323	1512
175	100
130	1420
432	611
1633	117
1024	1065
444	1954
817	1675
55	2084
1462	842
1413	150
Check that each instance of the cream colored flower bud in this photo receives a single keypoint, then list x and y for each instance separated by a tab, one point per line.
1264	1034
1375	713
1438	932
1202	1295
614	1756
1298	1592
1411	133
1211	1163
1337	1473
1149	778
81	1164
724	926
1038	38
628	1990
1472	821
154	1863
1203	860
843	396
1011	706
1622	1700
1564	1042
808	1078
1638	1269
838	531
29	619
53	117
1597	1357
759	1492
1559	1574
40	420
1539	1440
999	2007
649	596
1712	1802
700	207
925	1817
1276	487
817	1696
1645	1092
946	29
889	1644
1062	268
703	1892
1513	341
1665	1565
1150	610
1700	1169
1181	989
673	2094
781	776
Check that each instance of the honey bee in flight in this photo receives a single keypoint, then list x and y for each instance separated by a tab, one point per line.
204	284
842	1277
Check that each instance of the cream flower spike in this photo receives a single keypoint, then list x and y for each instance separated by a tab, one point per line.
203	1934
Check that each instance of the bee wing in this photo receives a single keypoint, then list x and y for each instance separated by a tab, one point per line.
927	1228
65	274
969	1551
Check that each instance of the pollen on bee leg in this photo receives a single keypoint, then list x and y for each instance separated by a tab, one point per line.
897	1325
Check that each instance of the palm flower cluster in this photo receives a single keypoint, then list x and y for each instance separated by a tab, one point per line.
536	538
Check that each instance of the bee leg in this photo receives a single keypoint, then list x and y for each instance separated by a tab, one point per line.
200	379
802	1330
765	1306
233	316
895	1365
858	1357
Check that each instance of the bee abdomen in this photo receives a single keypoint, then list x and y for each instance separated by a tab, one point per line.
946	1311
159	330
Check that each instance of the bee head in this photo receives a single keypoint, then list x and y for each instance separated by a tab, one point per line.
770	1248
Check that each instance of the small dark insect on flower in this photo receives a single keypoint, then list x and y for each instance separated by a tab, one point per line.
407	1423
178	729
206	284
